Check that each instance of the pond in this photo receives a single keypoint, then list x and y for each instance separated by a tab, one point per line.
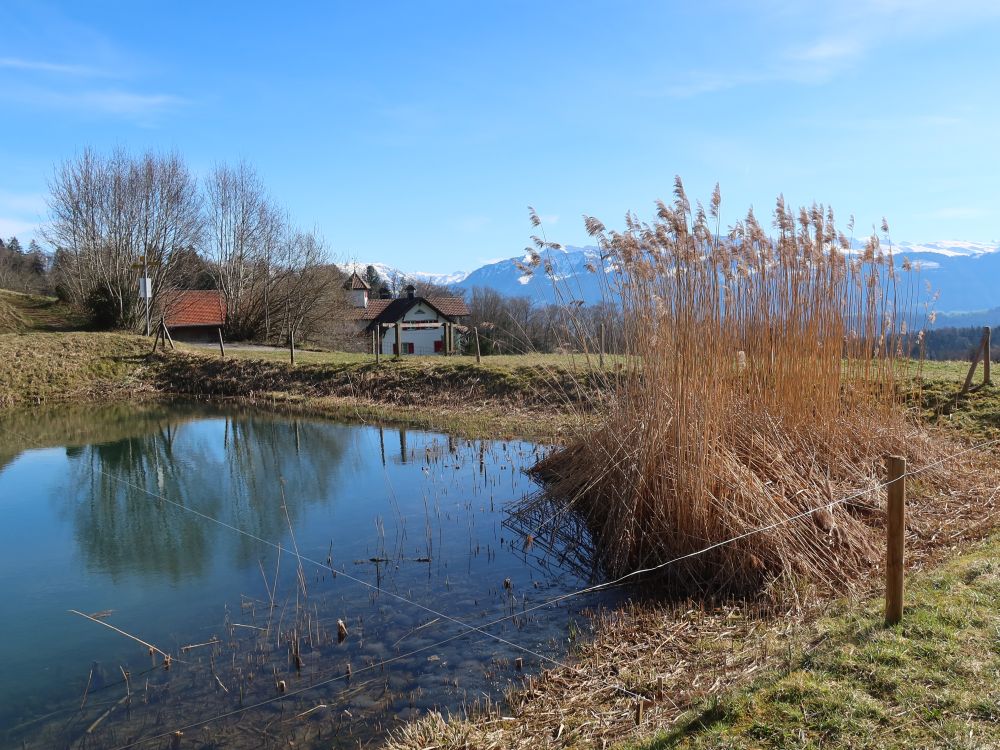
311	581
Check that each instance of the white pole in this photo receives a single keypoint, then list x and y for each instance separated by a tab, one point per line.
146	290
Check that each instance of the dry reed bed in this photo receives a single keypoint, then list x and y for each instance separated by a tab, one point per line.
760	381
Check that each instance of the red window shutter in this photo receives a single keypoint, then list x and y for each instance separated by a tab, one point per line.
439	345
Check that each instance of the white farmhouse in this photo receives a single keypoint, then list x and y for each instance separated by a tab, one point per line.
424	325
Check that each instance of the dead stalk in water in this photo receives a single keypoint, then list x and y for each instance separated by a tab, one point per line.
150	646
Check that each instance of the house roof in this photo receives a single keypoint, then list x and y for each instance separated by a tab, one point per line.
391	310
453	307
190	307
356	282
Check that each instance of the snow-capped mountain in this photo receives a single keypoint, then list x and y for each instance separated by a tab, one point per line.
964	275
949	249
389	272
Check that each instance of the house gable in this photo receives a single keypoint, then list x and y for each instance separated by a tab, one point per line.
421	313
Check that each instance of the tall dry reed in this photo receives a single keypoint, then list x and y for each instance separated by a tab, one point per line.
759	380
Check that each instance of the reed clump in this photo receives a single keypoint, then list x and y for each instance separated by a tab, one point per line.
760	379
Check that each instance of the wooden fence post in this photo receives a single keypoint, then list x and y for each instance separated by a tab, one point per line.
166	334
975	362
377	334
291	344
986	356
399	340
156	340
222	345
475	330
895	528
601	344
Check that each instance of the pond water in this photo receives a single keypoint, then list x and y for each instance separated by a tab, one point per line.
235	541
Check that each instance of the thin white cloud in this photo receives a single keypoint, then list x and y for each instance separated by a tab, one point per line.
21	203
829	50
864	26
24	230
21	214
142	108
126	102
42	66
77	79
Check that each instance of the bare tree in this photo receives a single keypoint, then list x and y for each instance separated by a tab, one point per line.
245	233
109	216
310	292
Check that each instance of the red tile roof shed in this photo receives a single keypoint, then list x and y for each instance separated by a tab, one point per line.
185	308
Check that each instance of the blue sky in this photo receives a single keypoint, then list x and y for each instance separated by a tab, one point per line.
417	133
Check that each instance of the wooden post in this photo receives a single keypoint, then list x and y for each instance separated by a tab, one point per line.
166	334
222	345
291	344
986	356
479	358
975	363
601	343
399	340
377	333
156	340
895	527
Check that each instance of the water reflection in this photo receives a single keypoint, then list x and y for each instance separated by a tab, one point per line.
116	518
123	525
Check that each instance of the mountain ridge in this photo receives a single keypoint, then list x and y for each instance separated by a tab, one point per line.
964	275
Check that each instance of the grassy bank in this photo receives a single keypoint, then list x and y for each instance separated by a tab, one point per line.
526	396
531	397
503	397
22	313
850	682
53	367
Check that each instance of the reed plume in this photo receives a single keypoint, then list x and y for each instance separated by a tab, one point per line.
759	380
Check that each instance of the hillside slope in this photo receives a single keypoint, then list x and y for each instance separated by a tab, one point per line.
36	312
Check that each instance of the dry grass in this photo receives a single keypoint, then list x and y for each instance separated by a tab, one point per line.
47	367
11	320
35	312
503	397
324	357
760	380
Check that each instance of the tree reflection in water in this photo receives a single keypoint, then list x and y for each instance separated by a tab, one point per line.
122	524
